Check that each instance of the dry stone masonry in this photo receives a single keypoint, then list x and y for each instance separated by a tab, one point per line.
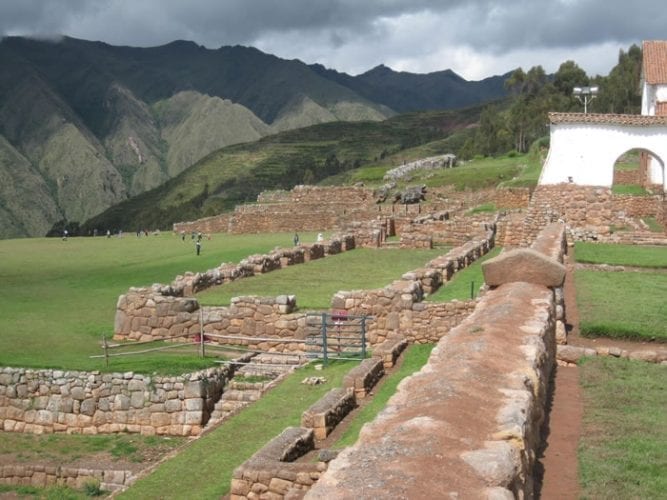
47	401
468	424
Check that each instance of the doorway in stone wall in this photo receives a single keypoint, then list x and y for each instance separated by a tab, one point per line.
638	172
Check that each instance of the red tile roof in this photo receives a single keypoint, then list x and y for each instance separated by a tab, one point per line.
608	119
655	61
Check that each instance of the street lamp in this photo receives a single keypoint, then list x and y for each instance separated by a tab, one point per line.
585	95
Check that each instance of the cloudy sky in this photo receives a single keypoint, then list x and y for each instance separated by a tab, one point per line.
475	38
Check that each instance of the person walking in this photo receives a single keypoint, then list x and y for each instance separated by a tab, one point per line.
198	247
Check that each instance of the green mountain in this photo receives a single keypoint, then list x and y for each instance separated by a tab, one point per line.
237	174
87	125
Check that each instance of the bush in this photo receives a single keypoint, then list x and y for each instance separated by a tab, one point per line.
92	488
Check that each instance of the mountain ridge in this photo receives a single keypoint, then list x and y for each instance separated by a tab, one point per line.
114	121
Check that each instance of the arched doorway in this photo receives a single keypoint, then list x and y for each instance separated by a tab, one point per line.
638	171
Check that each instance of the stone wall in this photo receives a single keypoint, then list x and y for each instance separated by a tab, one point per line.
589	211
510	198
272	472
269	323
264	323
444	231
638	206
47	401
314	208
399	308
468	424
208	225
42	476
628	177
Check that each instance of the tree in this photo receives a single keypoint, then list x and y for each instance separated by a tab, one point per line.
568	76
620	92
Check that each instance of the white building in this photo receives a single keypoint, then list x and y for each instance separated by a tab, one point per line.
585	147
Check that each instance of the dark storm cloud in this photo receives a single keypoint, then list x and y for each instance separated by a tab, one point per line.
356	34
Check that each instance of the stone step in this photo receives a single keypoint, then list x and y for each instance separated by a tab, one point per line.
228	406
235	385
241	395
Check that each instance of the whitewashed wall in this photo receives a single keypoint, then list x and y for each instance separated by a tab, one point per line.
585	153
652	94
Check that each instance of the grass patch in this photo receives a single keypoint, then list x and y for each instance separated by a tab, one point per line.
615	304
66	448
59	297
50	493
484	208
414	358
622	449
204	468
315	282
459	287
632	189
475	174
653	225
620	255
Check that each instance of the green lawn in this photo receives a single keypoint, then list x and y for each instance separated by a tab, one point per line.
621	255
622	304
460	285
632	189
315	282
58	297
204	468
624	438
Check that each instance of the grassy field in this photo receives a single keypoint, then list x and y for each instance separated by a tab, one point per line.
315	282
624	305
622	450
621	255
460	285
204	468
636	308
58	297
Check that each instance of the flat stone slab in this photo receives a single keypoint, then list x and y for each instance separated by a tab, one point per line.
523	264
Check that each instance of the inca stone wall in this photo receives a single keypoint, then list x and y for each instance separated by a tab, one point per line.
207	225
505	198
638	206
47	401
468	424
441	230
588	211
42	476
162	312
628	177
313	208
399	307
141	315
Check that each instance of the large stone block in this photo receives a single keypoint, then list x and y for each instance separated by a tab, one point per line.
523	264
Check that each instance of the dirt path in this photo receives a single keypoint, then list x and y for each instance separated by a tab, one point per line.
557	476
557	469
